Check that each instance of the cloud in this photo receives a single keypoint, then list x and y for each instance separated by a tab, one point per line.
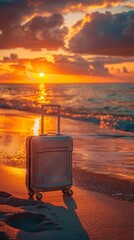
39	32
14	12
111	59
62	64
106	34
75	5
67	66
20	23
13	57
98	68
129	30
129	5
71	65
18	9
25	24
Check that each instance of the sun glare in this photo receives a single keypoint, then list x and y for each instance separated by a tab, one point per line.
41	74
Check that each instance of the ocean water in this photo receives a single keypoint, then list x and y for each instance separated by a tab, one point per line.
100	117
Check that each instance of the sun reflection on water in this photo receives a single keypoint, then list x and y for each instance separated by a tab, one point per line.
36	127
43	95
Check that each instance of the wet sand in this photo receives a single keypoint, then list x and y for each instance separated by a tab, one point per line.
118	188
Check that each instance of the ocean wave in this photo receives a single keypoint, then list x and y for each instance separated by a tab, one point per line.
120	122
125	125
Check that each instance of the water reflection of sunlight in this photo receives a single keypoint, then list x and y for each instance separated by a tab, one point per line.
36	127
15	170
42	94
49	123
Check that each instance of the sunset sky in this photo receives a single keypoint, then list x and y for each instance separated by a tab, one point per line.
68	40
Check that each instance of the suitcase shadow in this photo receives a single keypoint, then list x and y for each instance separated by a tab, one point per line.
74	219
39	220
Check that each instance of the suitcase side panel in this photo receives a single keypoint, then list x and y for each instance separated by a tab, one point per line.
52	142
55	171
50	163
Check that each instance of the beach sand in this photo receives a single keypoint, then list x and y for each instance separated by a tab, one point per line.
85	215
91	213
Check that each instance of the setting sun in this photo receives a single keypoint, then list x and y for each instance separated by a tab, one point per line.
41	74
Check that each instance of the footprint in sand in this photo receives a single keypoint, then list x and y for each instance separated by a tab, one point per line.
31	222
5	194
3	236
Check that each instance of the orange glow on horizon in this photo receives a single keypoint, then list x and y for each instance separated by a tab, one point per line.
61	79
33	73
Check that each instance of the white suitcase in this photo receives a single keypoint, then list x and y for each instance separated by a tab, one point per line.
49	161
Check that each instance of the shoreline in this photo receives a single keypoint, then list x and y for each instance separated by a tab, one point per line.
113	186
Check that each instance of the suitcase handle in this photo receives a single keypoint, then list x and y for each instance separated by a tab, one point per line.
42	116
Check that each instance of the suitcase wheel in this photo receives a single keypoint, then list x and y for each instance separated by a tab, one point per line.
69	192
30	193
38	196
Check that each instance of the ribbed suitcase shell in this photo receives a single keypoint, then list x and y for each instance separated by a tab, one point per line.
48	163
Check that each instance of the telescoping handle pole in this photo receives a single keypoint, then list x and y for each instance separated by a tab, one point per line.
42	116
